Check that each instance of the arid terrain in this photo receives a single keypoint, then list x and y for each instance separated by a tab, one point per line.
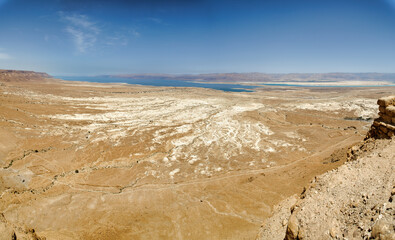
354	201
115	161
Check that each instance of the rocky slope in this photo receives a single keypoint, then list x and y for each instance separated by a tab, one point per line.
354	201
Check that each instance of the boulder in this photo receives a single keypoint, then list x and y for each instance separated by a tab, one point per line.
383	230
386	101
6	232
293	228
390	110
383	129
390	127
386	118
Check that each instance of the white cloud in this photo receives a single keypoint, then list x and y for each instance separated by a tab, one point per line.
4	56
135	33
82	21
120	37
82	40
155	20
86	33
83	31
116	41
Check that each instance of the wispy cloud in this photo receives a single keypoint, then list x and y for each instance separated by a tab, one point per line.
155	20
120	37
82	21
88	34
4	56
83	31
116	40
135	33
82	40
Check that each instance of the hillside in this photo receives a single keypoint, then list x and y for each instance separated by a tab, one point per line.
354	201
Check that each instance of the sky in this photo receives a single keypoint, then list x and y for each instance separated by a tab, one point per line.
93	37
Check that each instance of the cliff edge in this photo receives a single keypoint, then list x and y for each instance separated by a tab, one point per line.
354	201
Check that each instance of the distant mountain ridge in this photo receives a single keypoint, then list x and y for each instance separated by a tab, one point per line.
266	77
21	76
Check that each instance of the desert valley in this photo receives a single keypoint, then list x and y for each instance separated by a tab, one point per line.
197	120
114	161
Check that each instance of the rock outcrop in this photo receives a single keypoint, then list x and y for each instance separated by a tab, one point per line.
384	126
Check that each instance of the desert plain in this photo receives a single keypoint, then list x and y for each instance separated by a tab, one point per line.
85	160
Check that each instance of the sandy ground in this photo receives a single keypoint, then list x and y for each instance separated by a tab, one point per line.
101	161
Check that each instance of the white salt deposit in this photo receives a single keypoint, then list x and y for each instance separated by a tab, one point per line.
365	108
172	173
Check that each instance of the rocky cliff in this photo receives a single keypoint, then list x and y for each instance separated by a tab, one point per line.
354	201
384	126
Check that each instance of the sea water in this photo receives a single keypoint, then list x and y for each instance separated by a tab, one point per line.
163	83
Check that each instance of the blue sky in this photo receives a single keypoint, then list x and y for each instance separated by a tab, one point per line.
70	37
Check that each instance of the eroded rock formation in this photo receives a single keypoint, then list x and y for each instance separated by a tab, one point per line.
384	126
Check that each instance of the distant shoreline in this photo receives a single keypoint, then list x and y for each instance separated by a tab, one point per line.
227	87
312	83
231	86
332	84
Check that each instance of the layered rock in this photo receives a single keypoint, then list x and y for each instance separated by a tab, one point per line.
384	126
